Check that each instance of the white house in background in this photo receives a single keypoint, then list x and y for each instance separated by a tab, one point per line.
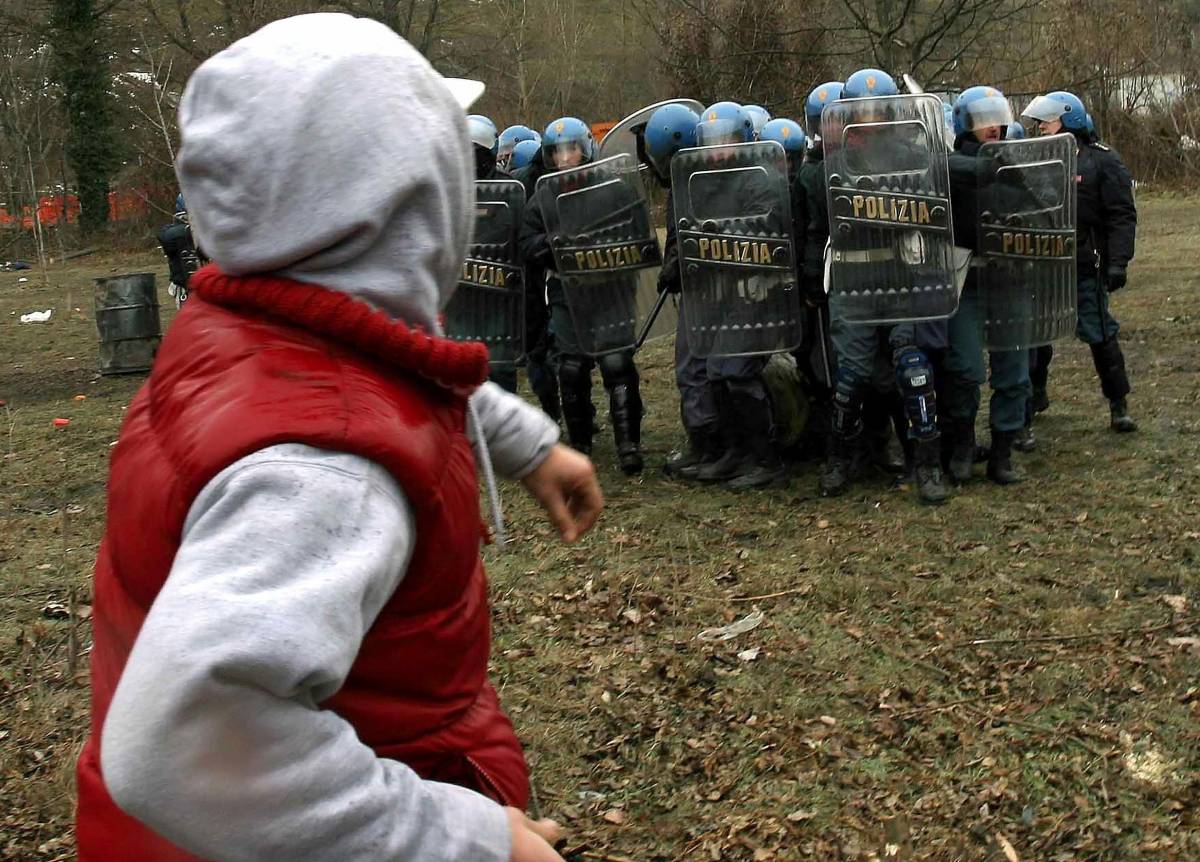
1142	93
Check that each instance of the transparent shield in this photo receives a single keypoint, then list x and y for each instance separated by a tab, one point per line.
891	255
1026	265
488	304
733	208
603	239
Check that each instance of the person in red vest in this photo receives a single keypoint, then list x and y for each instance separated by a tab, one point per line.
291	616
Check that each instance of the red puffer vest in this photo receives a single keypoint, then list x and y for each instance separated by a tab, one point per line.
253	362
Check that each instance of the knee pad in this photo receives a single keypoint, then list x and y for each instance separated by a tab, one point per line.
846	421
914	376
617	368
575	377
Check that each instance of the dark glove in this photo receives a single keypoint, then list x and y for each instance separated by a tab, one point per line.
1117	278
670	285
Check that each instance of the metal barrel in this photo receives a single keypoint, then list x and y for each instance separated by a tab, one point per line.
128	323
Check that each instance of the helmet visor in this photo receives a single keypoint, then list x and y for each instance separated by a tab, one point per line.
1044	110
987	112
715	132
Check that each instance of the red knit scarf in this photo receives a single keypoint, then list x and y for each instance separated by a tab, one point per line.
457	365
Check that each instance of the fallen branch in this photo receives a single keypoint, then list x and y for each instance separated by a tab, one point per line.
1064	638
795	592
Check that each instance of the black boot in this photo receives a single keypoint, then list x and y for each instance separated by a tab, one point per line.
734	454
765	469
575	378
841	467
1040	400
1000	467
881	416
703	447
1120	421
625	407
927	461
962	449
1114	383
1025	440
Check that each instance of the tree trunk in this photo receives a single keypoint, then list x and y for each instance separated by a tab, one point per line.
82	73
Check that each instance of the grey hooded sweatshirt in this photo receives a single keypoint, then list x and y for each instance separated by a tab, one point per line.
326	149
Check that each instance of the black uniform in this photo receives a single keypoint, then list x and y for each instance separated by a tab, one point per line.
1107	227
540	358
617	369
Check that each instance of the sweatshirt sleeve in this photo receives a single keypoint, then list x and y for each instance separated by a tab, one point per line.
519	436
215	738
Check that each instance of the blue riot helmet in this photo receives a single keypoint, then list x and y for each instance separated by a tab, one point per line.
979	108
522	154
180	207
790	136
482	132
821	96
724	123
869	82
567	143
787	132
509	138
670	129
1059	105
1015	131
759	116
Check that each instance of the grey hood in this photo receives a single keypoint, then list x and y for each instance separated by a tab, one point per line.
326	149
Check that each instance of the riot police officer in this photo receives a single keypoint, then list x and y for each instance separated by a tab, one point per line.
482	133
874	361
568	143
750	459
670	129
981	114
1107	219
507	142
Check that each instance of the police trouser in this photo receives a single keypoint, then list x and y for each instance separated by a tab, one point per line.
540	353
617	370
697	405
965	372
1096	327
876	365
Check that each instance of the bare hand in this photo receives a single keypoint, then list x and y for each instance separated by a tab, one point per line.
532	840
565	484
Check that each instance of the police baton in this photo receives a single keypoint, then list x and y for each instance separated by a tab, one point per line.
645	333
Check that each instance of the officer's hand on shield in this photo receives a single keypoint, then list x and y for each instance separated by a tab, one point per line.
669	283
565	485
1117	278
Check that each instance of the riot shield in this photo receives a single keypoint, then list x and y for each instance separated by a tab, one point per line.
600	232
622	138
891	242
489	303
733	209
1026	261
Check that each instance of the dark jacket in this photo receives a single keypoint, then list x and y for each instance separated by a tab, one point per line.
669	280
813	232
967	171
1107	214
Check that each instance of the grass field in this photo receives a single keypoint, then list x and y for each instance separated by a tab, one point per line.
1014	675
